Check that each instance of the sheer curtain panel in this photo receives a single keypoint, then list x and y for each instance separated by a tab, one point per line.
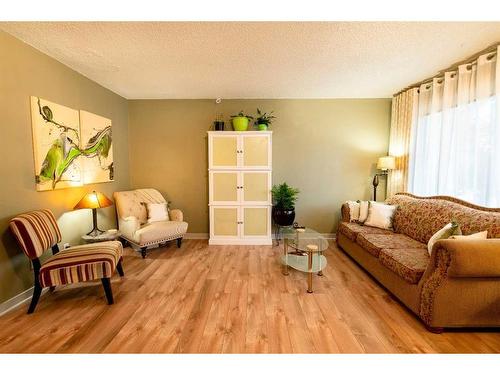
455	141
403	116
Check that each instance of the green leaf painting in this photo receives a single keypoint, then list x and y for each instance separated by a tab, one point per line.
70	148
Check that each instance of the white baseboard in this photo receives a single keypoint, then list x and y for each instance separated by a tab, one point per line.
20	299
265	241
204	236
196	236
327	236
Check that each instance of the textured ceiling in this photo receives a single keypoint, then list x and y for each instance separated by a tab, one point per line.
256	59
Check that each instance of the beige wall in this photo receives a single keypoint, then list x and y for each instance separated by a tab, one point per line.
326	148
25	71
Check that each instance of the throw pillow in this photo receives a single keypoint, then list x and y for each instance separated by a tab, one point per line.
157	212
447	231
353	210
363	211
380	215
474	236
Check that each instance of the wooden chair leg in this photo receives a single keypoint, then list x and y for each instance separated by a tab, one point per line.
106	283
179	242
119	268
37	291
143	252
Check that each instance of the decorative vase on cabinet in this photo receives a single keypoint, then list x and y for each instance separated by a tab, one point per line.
240	167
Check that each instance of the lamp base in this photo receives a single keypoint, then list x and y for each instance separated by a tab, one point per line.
95	230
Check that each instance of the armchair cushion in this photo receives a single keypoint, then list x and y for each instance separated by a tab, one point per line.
81	263
159	231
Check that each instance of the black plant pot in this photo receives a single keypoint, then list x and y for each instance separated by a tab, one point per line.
283	217
219	125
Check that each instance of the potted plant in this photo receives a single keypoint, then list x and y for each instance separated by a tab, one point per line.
284	198
219	122
264	120
240	121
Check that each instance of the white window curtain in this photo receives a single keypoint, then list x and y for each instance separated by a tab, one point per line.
455	145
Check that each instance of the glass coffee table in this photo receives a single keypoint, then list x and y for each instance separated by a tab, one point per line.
303	250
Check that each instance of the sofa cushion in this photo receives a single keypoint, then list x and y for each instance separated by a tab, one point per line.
409	263
160	231
420	218
374	243
351	230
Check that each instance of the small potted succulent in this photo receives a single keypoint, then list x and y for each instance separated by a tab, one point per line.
263	119
240	121
284	198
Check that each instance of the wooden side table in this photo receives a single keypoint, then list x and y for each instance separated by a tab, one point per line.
109	235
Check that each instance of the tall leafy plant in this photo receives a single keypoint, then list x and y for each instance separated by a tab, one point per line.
284	196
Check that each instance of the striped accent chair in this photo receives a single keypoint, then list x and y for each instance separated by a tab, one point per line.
37	232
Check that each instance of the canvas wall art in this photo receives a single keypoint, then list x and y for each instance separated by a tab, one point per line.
97	146
56	143
70	148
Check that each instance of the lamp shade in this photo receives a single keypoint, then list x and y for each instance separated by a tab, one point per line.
93	200
386	162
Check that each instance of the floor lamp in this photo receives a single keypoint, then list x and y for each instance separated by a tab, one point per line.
384	163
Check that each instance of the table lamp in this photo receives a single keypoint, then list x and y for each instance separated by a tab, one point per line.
94	200
384	163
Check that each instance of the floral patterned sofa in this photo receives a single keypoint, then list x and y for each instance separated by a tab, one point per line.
459	285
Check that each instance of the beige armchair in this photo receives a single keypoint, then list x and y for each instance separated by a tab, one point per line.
133	225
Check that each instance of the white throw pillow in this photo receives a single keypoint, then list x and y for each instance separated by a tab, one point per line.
157	212
353	210
445	232
380	215
474	236
363	211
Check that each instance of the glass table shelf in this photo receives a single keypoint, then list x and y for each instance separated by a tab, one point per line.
303	250
300	262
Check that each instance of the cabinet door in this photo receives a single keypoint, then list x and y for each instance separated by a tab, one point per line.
256	187
256	151
224	187
255	221
223	151
224	222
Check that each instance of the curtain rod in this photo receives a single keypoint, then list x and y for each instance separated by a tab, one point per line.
471	60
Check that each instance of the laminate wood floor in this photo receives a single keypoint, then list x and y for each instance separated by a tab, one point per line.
228	299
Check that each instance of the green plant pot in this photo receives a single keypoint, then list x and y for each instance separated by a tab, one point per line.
240	124
262	126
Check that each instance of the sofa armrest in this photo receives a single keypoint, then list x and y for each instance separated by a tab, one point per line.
176	215
128	226
472	258
345	213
